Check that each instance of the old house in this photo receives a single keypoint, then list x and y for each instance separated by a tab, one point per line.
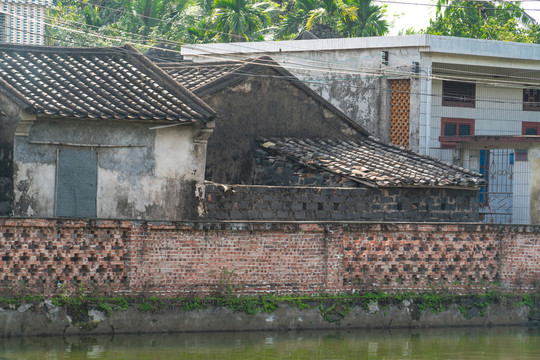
365	178
98	133
417	91
253	99
361	179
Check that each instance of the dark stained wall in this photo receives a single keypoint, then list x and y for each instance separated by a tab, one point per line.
262	106
311	203
10	115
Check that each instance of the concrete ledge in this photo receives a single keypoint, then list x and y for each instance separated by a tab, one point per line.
47	319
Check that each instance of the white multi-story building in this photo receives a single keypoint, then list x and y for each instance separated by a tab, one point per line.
452	98
23	21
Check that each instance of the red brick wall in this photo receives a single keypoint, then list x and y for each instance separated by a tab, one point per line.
168	259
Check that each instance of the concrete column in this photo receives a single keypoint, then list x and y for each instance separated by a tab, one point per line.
534	202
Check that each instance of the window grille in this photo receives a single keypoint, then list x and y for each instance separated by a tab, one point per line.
458	94
531	100
399	112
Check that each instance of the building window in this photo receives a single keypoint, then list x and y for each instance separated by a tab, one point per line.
531	100
457	93
455	127
530	128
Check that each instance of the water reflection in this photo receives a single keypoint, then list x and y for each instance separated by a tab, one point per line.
476	343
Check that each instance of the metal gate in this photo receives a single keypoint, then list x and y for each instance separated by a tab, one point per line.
496	198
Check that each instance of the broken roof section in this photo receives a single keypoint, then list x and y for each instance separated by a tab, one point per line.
209	77
100	83
373	163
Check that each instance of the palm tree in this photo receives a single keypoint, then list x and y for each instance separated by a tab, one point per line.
295	20
201	33
368	20
330	12
349	17
240	20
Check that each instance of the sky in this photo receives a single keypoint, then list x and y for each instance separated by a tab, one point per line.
416	13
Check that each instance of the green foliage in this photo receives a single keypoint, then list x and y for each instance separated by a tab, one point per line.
298	302
528	300
240	20
493	20
410	31
368	20
349	18
269	304
145	306
105	307
9	302
193	304
433	301
169	23
333	308
33	298
108	304
227	283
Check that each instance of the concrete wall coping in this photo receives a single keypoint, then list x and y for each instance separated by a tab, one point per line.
248	225
428	43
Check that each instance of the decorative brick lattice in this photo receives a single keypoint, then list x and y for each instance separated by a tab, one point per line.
422	261
47	259
254	258
399	112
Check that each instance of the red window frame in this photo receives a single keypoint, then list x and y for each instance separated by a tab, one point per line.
530	125
456	122
531	99
460	94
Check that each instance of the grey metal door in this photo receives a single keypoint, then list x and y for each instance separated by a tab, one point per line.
76	184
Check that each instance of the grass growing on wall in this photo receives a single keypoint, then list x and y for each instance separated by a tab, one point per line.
331	307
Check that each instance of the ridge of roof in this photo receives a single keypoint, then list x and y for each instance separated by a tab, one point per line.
100	83
250	67
198	64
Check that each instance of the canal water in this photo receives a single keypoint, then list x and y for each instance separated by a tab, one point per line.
470	343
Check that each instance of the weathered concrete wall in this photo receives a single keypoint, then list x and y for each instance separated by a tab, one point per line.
47	319
10	115
301	203
262	106
356	82
142	173
198	259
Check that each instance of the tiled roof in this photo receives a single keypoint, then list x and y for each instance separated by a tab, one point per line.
372	162
101	83
196	75
207	78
